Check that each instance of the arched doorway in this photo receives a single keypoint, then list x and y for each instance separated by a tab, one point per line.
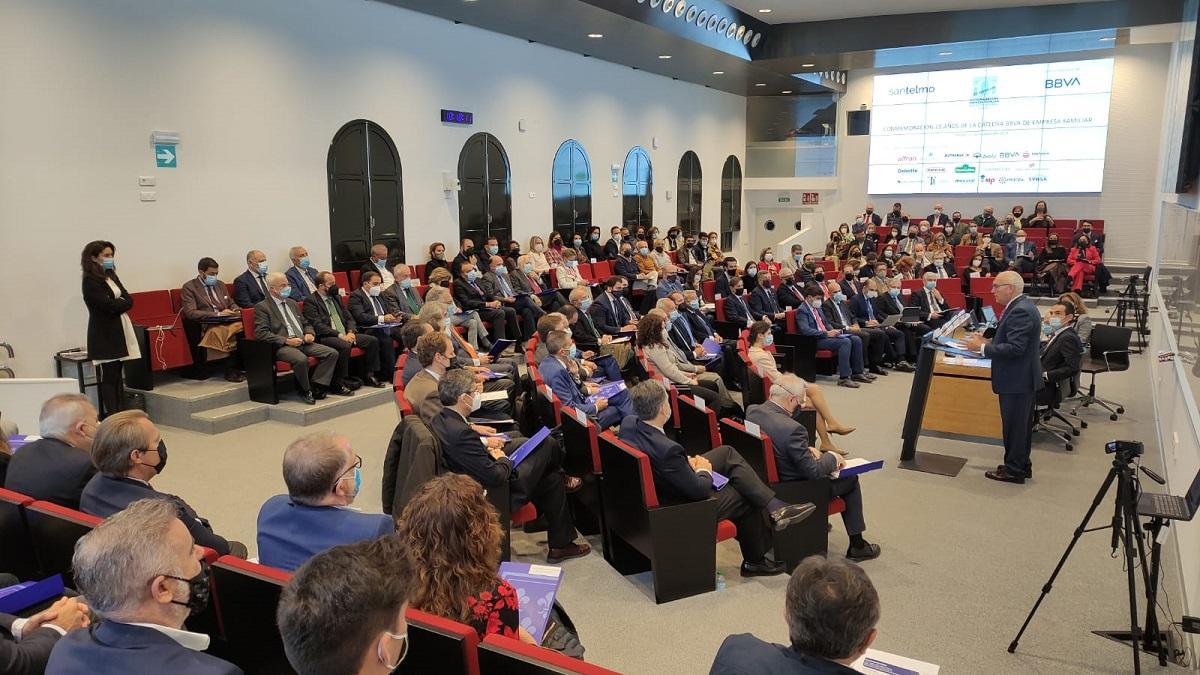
688	194
637	207
366	195
571	177
731	201
485	195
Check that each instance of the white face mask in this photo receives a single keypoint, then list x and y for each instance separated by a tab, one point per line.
375	290
538	247
476	401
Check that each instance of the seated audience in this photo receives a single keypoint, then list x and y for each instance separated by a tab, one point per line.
378	263
1052	266
1040	218
831	609
584	364
143	573
992	253
343	610
750	275
1094	238
723	276
669	283
439	277
477	333
764	304
129	452
302	276
206	297
537	253
323	476
437	259
1020	253
934	309
612	247
905	268
513	292
57	466
791	264
540	479
892	302
593	251
470	295
554	254
660	255
795	459
938	218
1083	322
866	313
26	643
409	336
1082	261
494	375
849	281
466	254
974	269
611	311
513	255
1062	354
402	298
526	280
435	355
335	328
838	315
737	310
767	264
673	365
278	320
674	239
942	265
760	337
958	228
848	348
789	293
250	287
556	372
568	275
987	218
678	478
588	335
1003	232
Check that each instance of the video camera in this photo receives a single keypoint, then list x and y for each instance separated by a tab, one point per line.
1125	450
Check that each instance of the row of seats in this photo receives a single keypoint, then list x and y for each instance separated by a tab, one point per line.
37	540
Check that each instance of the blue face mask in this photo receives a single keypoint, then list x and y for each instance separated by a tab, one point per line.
893	292
585	303
472	275
643	250
694	304
501	269
1055	322
595	237
577	242
798	257
209	281
493	250
839	296
570	263
304	263
769	339
108	263
262	267
573	351
528	268
285	292
675	315
931	285
1047	329
406	284
381	263
357	481
753	271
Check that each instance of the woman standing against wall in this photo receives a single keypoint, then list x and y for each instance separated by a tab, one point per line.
110	336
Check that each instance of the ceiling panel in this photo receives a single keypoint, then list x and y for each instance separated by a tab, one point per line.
793	11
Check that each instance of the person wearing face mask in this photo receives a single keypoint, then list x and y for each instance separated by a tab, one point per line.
941	265
893	237
278	320
974	269
577	240
467	253
554	252
910	242
938	218
437	259
378	263
880	274
469	295
1040	217
973	236
647	267
593	250
836	246
750	276
129	452
335	328
142	571
1003	234
920	258
494	374
250	287
895	216
924	232
864	310
935	311
767	264
205	302
674	239
514	292
939	245
891	301
673	364
789	294
568	276
346	606
992	254
1087	229
323	475
764	304
660	255
850	282
370	307
792	262
1062	354
838	315
1018	213
111	339
1020	253
869	216
612	247
1052	266
612	312
302	275
987	218
57	466
957	228
1082	261
670	282
848	348
402	299
513	254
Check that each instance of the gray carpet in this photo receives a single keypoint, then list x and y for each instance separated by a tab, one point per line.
963	558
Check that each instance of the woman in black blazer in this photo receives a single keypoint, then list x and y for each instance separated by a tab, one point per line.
110	336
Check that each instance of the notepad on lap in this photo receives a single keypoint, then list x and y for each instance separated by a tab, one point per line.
528	446
499	346
607	391
875	661
858	465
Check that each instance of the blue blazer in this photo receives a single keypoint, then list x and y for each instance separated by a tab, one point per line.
626	267
790	440
104	496
736	309
807	324
674	478
668	287
858	309
291	533
745	653
701	325
763	305
111	648
1015	349
609	316
246	292
299	288
555	374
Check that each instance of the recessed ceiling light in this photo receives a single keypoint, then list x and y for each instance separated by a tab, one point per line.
595	36
764	11
787	91
807	65
718	72
664	56
945	53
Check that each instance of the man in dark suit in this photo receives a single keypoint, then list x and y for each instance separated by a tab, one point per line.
864	309
1061	355
56	467
470	295
25	644
789	294
941	266
368	309
587	334
129	452
934	309
611	312
513	291
142	571
764	304
888	303
810	320
795	459
624	264
466	254
378	263
323	476
1086	230
612	247
336	329
831	609
278	320
250	287
939	218
302	276
838	315
669	283
737	310
203	299
556	372
1016	372
723	277
401	299
538	479
745	500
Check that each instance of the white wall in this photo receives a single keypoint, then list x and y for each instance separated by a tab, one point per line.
257	90
1127	202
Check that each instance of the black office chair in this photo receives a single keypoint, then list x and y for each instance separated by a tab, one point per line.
1045	415
1109	354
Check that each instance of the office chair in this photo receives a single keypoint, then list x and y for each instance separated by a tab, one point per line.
1043	415
1109	354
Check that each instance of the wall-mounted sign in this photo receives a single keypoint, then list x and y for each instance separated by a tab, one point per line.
785	197
457	117
810	198
164	156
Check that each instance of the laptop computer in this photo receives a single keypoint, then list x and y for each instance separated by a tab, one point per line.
989	314
1171	507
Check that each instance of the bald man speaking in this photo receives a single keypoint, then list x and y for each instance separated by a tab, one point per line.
1016	373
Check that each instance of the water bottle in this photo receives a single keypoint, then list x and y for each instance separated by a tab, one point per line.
720	581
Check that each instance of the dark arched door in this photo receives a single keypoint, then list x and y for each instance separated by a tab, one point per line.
637	189
688	197
485	195
571	177
731	201
366	195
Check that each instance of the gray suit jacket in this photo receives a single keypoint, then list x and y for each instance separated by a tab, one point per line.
196	303
269	324
421	392
790	440
29	656
395	304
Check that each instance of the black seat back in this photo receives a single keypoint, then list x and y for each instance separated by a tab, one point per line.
54	530
1110	344
438	646
16	547
246	596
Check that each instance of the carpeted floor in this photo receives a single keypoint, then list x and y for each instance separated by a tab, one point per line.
963	558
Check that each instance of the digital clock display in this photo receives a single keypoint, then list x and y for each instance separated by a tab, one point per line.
457	117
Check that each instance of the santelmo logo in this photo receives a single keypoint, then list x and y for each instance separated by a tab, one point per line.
964	168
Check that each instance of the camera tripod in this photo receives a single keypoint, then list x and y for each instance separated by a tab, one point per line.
1126	532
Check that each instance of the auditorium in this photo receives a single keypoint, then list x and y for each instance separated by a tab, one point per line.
518	337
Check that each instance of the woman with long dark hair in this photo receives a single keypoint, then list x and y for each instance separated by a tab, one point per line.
110	336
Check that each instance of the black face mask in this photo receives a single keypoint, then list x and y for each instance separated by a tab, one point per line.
514	252
469	251
332	290
848	276
1053	242
198	590
162	457
819	275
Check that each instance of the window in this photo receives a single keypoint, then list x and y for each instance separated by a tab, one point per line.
731	201
366	196
637	189
571	190
688	196
485	198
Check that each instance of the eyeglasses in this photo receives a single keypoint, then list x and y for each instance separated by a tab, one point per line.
357	465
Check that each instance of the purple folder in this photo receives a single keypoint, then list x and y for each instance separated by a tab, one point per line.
15	598
607	391
536	586
719	480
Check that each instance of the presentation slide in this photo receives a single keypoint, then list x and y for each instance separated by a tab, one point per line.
1030	128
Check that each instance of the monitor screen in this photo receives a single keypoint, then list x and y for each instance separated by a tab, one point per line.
1027	128
989	314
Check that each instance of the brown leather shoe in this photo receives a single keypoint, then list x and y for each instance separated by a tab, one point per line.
234	376
1004	476
557	555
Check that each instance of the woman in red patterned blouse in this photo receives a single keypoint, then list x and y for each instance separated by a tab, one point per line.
452	536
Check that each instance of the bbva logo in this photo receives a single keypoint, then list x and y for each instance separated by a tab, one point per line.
1061	82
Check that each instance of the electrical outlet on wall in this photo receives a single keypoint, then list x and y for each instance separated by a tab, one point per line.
148	196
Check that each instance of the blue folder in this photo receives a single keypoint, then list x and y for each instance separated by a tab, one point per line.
528	446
